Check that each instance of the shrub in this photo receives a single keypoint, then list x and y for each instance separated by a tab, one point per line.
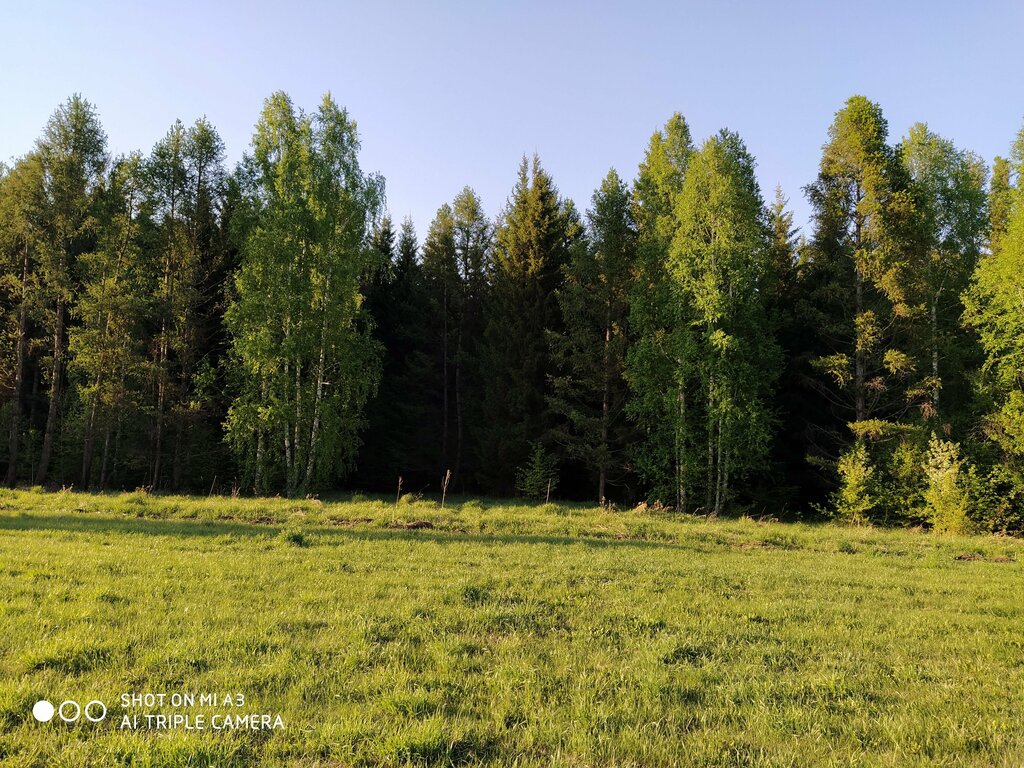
946	497
856	498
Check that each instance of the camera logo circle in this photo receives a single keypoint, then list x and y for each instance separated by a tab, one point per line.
70	711
43	711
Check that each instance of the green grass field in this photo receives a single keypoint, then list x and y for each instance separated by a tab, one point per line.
488	634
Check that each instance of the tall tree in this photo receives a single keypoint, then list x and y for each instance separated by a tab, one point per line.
441	278
589	391
21	233
856	278
472	240
951	202
658	364
72	151
108	344
306	361
186	181
392	440
994	309
722	256
533	240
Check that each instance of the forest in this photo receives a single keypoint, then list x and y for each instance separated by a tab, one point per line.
172	324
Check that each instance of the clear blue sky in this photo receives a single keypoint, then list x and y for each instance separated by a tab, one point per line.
448	94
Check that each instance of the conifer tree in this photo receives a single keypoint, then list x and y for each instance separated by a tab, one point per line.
856	281
186	182
21	240
108	343
589	391
533	240
441	279
72	151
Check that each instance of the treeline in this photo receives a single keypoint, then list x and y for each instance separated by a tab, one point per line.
173	324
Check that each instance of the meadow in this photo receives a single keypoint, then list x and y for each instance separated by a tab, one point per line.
502	633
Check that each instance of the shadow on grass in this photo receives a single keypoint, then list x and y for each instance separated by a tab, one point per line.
213	528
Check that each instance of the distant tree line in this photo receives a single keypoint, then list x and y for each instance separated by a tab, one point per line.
173	324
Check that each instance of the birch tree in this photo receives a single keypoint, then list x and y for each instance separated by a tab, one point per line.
305	359
659	362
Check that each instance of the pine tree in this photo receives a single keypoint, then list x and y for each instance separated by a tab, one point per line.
589	391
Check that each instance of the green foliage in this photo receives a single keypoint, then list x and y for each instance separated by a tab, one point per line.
722	258
855	500
538	477
588	391
658	367
994	310
305	360
533	241
855	279
946	496
109	344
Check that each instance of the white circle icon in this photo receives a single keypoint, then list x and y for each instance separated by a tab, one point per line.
43	711
99	717
69	718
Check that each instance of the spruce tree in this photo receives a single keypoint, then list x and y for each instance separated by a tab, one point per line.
533	239
589	391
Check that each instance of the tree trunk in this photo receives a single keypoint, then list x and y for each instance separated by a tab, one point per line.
681	449
605	407
178	440
314	432
161	390
444	379
19	375
860	374
55	388
935	349
90	437
708	506
106	455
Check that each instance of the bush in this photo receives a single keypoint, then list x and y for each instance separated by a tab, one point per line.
946	497
856	498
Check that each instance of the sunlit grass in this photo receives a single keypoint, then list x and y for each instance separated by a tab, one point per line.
505	634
